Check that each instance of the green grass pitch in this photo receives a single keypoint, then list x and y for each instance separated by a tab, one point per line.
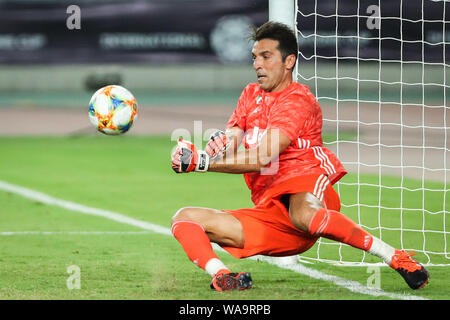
132	175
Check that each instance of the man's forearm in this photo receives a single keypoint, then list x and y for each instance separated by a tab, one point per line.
271	144
244	161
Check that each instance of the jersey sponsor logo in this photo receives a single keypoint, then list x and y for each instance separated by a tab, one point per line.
251	140
253	136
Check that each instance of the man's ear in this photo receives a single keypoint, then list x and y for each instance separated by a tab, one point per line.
290	61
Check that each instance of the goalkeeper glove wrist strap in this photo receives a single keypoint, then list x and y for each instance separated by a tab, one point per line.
203	161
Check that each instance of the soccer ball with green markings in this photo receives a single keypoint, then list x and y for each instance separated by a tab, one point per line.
112	110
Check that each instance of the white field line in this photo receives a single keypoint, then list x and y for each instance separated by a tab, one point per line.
45	198
289	263
50	233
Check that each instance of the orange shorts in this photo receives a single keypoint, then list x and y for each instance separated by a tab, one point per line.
267	227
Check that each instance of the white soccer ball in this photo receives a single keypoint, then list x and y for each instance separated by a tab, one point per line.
112	110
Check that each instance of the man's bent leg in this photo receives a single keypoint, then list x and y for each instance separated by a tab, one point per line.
307	214
220	227
195	228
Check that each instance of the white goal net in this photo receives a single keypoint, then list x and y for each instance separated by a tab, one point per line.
381	73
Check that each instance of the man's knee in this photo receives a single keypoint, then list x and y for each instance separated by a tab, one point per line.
186	213
302	208
205	217
220	227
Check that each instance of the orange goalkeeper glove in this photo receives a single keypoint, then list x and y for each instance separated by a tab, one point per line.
217	145
187	158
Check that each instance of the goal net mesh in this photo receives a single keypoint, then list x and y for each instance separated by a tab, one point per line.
380	71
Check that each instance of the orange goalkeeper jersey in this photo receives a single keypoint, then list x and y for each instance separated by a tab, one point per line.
297	114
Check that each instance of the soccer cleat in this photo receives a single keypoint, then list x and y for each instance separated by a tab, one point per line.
415	275
231	281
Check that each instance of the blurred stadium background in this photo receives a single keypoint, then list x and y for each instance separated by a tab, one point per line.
154	49
188	60
151	47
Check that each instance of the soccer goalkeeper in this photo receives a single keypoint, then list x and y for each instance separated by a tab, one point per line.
289	172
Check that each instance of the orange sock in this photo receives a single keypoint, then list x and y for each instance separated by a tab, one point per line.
197	246
336	226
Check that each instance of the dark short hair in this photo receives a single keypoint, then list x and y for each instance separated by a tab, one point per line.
287	41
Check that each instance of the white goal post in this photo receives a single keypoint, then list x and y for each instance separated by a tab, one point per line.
381	73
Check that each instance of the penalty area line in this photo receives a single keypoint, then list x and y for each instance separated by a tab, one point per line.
288	263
